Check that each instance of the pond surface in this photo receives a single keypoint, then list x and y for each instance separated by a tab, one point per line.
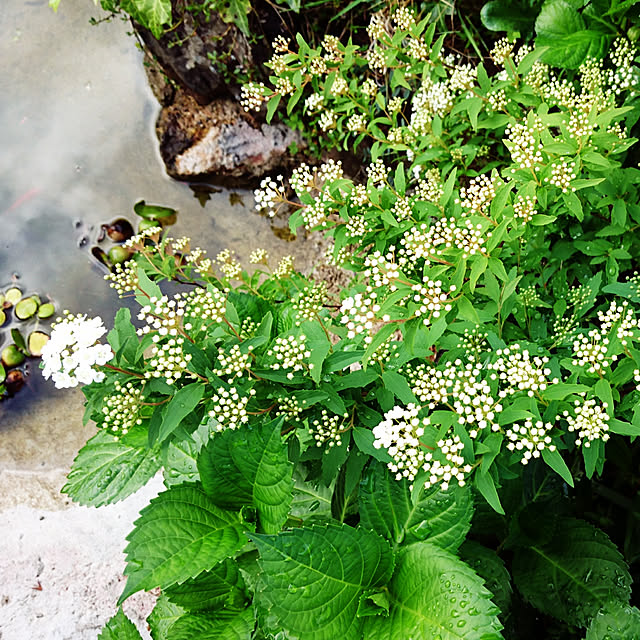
78	149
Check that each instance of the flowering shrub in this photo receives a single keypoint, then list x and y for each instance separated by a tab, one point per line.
323	451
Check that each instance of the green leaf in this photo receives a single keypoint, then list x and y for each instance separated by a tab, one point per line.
180	406
561	390
123	338
119	628
557	463
490	567
617	621
313	578
141	208
399	386
364	439
250	466
180	534
152	14
148	286
486	486
228	624
561	28
54	4
574	574
508	16
221	587
319	346
624	428
426	591
164	614
180	454
106	471
386	506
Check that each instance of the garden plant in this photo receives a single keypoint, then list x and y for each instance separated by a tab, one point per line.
409	457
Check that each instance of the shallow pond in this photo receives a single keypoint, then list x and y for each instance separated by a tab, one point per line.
78	150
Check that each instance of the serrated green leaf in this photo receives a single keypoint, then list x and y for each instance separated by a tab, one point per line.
399	386
250	466
180	534
180	455
490	567
227	624
220	587
386	507
123	337
106	471
164	614
119	628
617	621
313	578
573	575
425	593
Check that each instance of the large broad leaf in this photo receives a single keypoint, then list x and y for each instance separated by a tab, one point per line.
314	577
180	534
386	506
179	407
223	586
221	625
561	28
311	500
152	14
250	466
433	594
120	628
574	574
489	566
107	470
164	614
512	16
615	622
180	455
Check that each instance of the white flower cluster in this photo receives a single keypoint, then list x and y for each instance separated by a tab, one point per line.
377	26
562	174
359	195
404	18
474	342
453	469
622	314
530	439
502	50
290	354
301	179
124	277
284	268
358	313
385	352
399	433
270	196
308	303
326	429
280	44
520	372
524	208
498	100
290	408
377	172
209	305
70	355
526	151
431	300
592	350
252	96
314	102
328	120
430	188
229	408
139	239
356	227
233	364
228	264
622	55
590	421
381	270
121	410
259	256
429	242
477	197
402	209
357	122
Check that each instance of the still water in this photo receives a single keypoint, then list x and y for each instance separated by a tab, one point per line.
78	149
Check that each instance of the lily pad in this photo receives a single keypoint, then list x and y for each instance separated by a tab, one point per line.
46	310
152	211
37	340
12	356
26	308
3	317
13	296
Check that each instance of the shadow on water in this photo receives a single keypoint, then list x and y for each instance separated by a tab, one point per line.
78	150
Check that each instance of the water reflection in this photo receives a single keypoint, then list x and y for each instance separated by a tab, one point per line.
78	150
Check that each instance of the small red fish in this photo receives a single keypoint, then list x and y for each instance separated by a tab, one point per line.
25	197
